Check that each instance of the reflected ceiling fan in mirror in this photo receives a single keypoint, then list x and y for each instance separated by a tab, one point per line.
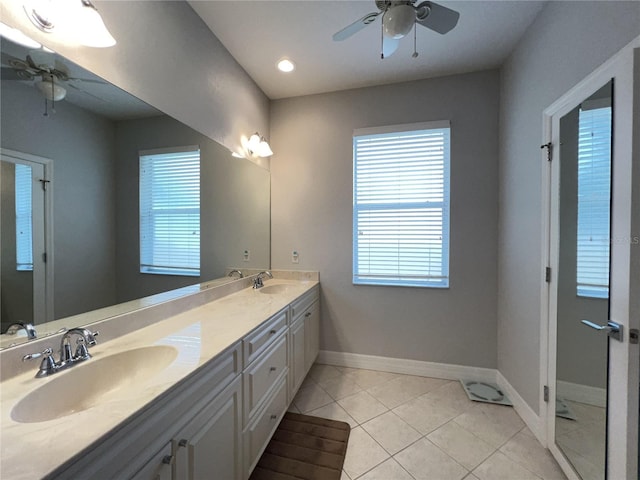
50	75
398	18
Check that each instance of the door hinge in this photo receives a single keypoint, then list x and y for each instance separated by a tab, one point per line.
549	147
633	336
547	274
44	257
44	182
546	393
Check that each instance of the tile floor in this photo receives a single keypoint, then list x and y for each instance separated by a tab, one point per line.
583	440
405	427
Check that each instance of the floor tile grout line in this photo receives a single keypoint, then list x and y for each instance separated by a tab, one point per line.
422	436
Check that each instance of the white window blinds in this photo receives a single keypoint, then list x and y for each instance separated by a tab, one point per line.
594	194
170	212
24	218
401	207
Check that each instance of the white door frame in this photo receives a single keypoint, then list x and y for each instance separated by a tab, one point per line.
44	289
622	424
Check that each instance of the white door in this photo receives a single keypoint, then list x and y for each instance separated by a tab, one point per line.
593	375
25	233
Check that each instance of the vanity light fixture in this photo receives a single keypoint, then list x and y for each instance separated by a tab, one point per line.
285	65
258	146
73	20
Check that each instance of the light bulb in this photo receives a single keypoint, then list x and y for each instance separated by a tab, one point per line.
398	21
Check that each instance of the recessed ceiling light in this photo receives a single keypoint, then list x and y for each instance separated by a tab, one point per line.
286	65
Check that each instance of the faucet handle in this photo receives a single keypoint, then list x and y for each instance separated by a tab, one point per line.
91	340
47	352
82	353
47	366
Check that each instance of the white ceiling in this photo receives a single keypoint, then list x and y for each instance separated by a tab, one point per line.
260	32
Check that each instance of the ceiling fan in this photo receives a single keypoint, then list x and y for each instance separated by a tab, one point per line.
50	76
398	18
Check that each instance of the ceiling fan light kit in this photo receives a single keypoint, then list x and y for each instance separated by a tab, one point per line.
51	90
398	17
76	21
398	21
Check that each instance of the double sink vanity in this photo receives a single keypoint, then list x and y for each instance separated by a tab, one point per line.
198	391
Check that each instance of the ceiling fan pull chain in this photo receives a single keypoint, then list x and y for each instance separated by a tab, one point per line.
382	37
415	35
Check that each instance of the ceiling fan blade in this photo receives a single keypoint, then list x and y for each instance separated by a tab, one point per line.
436	17
389	46
86	80
8	73
355	27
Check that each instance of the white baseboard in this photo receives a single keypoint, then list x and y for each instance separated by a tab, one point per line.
407	367
528	416
439	370
582	393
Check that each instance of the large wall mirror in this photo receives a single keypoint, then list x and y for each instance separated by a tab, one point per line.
88	142
583	283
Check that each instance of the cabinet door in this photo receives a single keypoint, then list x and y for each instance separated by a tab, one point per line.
210	445
297	356
311	335
158	468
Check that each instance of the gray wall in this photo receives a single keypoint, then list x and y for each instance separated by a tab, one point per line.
312	213
234	207
167	56
566	42
80	145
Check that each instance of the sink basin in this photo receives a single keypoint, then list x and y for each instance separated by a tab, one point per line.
84	385
275	289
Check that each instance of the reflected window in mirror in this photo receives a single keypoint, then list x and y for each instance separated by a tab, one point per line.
24	220
594	193
170	211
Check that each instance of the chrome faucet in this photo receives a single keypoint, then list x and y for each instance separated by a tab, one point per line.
85	339
240	275
49	366
257	282
15	327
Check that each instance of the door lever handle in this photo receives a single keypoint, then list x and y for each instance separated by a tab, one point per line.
613	329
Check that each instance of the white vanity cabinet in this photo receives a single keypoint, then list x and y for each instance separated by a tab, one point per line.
211	441
159	467
216	422
305	337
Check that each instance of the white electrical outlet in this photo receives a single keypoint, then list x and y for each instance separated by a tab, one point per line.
295	258
246	255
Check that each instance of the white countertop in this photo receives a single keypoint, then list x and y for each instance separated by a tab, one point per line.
33	450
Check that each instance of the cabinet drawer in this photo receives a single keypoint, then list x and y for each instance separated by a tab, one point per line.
299	306
258	434
224	369
259	340
260	377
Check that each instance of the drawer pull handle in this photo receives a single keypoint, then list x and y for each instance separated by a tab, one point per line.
273	417
167	459
273	369
308	314
182	443
272	332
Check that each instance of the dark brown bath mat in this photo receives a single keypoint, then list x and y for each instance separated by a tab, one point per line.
304	447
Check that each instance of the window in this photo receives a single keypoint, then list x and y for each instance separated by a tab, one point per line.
170	211
24	220
594	194
401	205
